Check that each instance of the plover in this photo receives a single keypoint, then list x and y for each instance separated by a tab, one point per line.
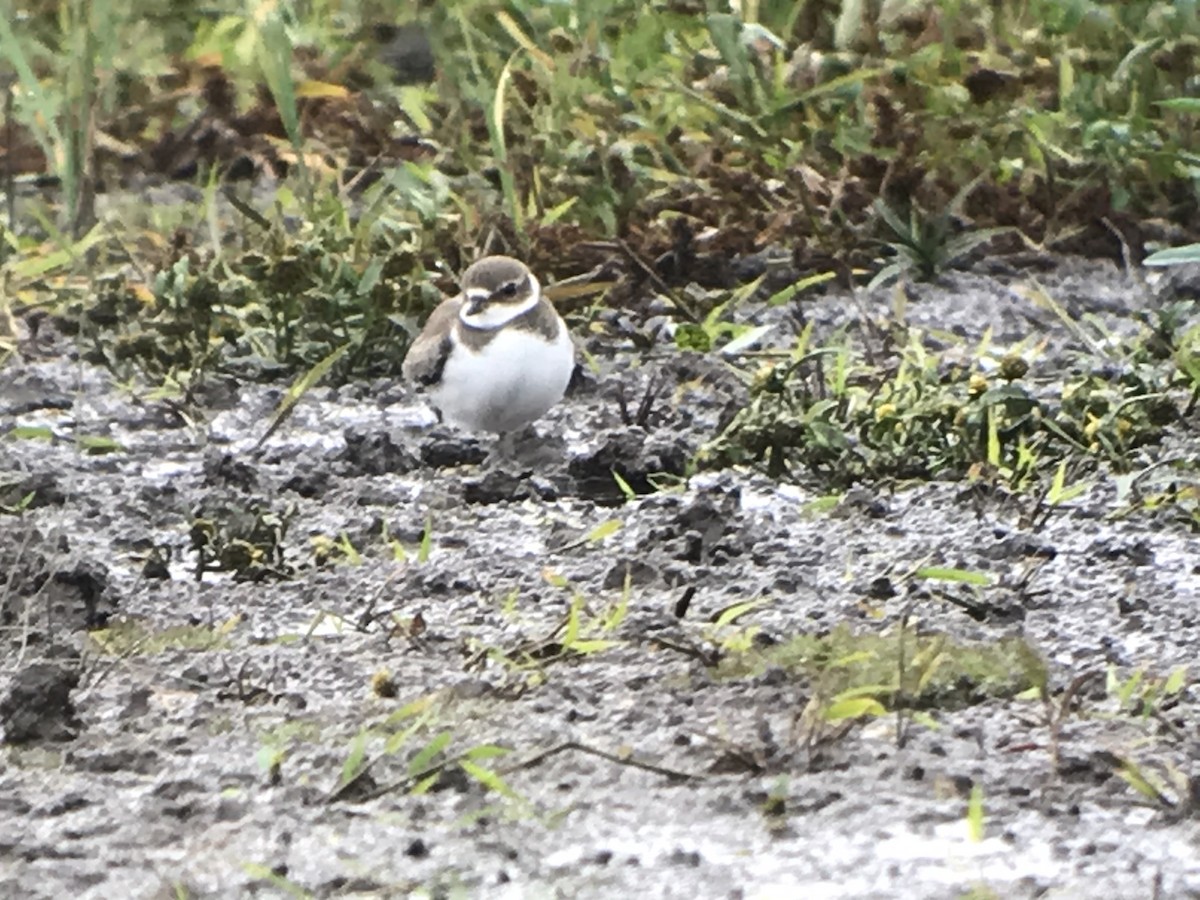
497	356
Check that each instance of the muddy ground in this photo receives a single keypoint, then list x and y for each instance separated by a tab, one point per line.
195	747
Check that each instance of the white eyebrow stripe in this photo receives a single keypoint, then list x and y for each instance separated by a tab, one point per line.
478	293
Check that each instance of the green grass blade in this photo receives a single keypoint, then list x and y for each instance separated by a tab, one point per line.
298	389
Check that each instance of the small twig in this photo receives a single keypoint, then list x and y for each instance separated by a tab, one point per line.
344	190
710	659
911	573
571	545
653	390
526	648
1021	588
1055	717
1168	726
1074	688
977	611
1133	774
240	686
246	209
416	778
538	759
654	278
1126	252
641	417
684	602
123	657
1039	514
901	728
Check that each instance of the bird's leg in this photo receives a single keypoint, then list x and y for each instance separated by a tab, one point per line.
506	447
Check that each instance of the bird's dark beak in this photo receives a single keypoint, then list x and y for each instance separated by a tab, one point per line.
476	301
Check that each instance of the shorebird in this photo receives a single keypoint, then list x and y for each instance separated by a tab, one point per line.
498	355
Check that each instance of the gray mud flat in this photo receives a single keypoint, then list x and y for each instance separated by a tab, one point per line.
169	736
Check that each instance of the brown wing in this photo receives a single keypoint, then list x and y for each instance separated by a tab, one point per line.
427	355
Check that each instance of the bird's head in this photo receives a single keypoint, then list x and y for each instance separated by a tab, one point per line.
496	290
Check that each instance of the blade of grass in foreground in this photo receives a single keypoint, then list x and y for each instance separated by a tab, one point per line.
1174	256
298	389
965	576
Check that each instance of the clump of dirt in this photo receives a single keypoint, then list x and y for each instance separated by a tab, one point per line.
38	708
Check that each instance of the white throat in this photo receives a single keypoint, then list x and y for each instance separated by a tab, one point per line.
497	315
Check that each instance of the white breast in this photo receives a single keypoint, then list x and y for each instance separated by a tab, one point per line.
508	384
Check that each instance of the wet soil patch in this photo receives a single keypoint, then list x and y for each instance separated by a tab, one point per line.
375	656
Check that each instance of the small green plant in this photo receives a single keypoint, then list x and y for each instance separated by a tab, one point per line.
298	389
302	302
1174	256
726	633
425	753
248	542
774	808
581	631
270	759
976	820
1143	694
862	672
62	119
400	553
1170	789
18	506
838	414
980	892
285	886
125	638
925	246
328	550
714	330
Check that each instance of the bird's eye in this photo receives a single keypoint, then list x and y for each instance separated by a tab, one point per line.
509	290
